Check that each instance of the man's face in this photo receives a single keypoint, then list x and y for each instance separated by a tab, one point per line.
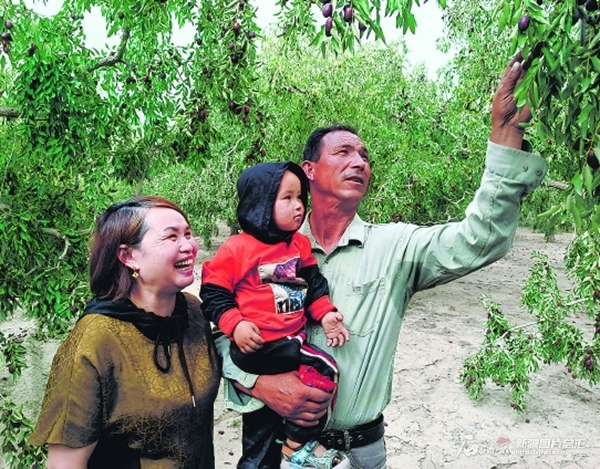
343	170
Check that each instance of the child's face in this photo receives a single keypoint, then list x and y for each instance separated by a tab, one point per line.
288	211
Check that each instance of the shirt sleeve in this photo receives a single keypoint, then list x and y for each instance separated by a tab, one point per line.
442	253
219	307
71	412
234	398
217	291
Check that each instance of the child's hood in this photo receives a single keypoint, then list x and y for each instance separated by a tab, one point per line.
257	189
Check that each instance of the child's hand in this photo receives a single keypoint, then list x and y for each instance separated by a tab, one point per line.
247	337
336	332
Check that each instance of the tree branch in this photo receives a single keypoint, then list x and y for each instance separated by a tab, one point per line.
58	234
117	56
109	61
232	149
419	111
9	112
563	186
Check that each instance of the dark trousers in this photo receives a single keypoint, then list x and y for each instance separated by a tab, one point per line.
261	430
263	427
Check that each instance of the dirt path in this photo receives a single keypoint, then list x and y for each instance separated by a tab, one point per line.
431	421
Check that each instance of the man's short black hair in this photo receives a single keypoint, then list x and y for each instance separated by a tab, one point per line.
312	147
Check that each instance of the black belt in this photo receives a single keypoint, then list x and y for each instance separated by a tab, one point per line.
362	435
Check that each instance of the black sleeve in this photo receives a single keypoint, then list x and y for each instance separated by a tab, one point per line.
215	301
317	283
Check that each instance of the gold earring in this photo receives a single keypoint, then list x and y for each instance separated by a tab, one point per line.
135	274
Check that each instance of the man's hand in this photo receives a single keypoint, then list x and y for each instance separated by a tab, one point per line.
506	117
336	332
247	337
289	397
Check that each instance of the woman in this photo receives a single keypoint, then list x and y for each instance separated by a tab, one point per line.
133	386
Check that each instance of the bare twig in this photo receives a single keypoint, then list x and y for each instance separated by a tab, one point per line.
563	186
234	147
9	112
419	111
117	56
57	234
576	302
522	326
53	232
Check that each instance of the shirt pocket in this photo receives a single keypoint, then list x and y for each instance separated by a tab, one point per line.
361	303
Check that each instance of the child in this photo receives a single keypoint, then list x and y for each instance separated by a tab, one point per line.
258	289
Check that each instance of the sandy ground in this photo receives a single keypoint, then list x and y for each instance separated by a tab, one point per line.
431	421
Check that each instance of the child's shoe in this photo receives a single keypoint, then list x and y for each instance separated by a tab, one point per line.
305	458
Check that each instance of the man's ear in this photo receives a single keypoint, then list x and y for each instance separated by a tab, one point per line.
308	169
126	256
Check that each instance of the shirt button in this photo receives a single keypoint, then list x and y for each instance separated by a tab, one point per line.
525	168
539	172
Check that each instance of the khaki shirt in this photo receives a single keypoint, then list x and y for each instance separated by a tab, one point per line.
375	269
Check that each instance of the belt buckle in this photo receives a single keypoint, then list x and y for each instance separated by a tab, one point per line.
347	441
329	437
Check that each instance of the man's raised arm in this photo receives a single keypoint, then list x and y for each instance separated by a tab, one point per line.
507	119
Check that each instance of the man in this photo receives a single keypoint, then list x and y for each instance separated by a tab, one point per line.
373	270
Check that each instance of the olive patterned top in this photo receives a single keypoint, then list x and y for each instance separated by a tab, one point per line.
111	383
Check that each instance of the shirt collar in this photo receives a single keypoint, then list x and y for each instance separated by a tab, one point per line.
354	233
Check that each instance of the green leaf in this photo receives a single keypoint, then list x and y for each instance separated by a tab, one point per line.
517	9
574	211
378	31
410	22
504	18
587	180
577	183
514	37
549	56
538	15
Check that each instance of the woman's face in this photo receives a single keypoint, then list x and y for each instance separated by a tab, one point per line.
165	258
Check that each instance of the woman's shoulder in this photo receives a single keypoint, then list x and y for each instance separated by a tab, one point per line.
193	302
194	307
95	330
91	334
198	323
97	323
91	324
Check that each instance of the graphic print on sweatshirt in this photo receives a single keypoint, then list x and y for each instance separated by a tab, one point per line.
289	291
